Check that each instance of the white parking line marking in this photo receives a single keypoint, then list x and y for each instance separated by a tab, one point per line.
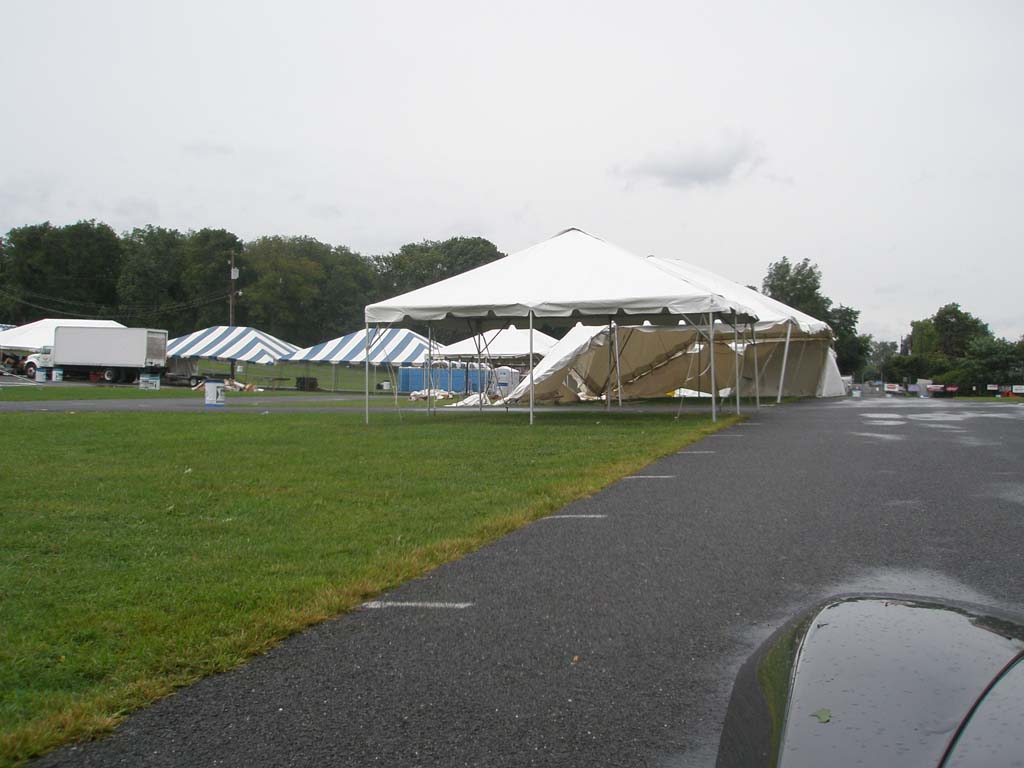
723	434
649	477
391	604
574	517
694	453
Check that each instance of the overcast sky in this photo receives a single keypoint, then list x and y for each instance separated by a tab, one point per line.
883	141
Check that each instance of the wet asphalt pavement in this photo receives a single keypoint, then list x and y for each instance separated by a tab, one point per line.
608	635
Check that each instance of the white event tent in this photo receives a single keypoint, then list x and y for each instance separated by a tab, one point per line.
571	276
500	344
34	336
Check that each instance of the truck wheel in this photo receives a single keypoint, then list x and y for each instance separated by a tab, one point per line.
111	375
30	370
193	381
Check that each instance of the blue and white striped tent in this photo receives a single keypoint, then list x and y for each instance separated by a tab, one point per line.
388	346
230	342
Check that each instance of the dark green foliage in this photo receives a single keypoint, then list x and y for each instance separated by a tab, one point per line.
954	347
799	286
419	264
60	271
297	288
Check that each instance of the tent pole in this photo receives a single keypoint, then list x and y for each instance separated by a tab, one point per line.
711	352
618	371
430	364
757	371
735	353
479	369
334	377
531	367
785	358
608	378
366	366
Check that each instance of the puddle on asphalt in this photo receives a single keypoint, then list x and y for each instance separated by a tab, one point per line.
1011	492
879	436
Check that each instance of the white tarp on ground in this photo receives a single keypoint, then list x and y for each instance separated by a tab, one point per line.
230	342
500	343
39	334
390	346
573	274
654	361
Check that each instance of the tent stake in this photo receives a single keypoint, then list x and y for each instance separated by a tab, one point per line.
785	358
711	350
531	367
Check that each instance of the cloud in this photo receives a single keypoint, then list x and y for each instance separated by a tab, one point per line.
701	166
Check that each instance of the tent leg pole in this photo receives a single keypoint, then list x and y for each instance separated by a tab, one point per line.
711	352
366	366
757	371
735	354
608	378
785	359
430	365
531	367
618	371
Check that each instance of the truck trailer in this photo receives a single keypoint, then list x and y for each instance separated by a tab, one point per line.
108	354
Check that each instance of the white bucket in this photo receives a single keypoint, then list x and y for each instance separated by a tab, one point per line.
57	374
214	394
41	375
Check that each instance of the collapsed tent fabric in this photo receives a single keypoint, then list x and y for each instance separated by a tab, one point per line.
391	346
230	342
573	274
39	334
500	344
654	361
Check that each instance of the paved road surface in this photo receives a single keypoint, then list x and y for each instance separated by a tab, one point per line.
609	634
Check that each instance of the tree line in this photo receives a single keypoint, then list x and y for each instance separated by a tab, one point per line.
296	288
305	291
950	347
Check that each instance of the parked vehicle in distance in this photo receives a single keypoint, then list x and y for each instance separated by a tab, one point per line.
108	354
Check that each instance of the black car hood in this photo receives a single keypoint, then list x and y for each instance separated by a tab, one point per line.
880	680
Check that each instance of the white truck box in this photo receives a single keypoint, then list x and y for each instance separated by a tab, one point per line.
109	347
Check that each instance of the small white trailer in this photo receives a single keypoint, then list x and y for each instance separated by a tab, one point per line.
109	354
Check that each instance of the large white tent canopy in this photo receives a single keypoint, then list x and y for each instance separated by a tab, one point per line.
665	323
571	275
500	344
391	346
231	343
39	334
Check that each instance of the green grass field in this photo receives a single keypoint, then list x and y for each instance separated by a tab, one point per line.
143	551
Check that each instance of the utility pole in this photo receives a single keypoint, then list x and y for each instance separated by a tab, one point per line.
232	277
231	290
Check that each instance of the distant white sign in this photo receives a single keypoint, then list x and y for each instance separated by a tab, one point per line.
992	387
1018	389
149	381
892	387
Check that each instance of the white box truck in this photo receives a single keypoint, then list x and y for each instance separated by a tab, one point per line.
107	354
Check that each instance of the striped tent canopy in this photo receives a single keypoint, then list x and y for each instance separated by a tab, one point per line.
390	346
230	342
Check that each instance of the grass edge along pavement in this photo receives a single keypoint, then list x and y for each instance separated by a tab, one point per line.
143	551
